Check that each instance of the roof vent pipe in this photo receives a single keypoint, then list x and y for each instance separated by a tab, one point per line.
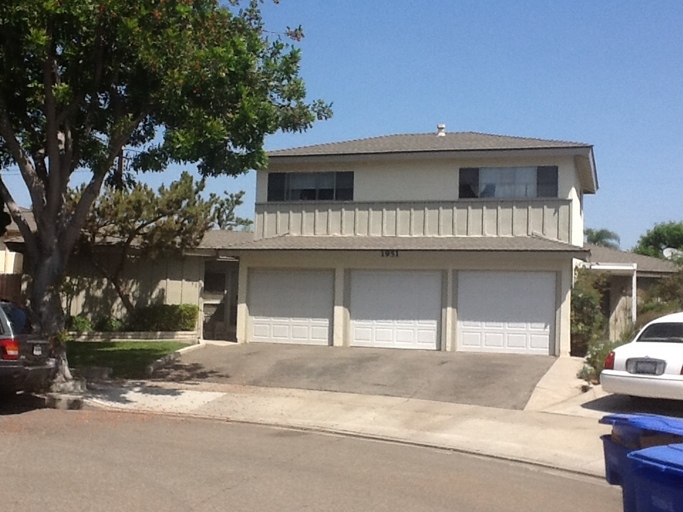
441	130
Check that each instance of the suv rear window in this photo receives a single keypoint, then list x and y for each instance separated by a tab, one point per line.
664	332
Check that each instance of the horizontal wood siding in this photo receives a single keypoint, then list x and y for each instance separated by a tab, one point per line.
549	218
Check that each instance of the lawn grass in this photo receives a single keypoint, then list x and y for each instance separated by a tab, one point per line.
127	359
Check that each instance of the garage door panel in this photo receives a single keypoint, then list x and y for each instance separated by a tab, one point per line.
539	326
517	341
395	308
261	331
425	336
538	342
278	330
291	306
493	340
471	339
505	311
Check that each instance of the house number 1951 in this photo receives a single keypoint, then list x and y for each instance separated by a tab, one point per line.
389	254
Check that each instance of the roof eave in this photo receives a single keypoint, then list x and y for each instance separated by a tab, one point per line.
578	253
588	175
274	160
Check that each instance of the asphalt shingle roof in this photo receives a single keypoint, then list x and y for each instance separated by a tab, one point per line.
605	255
427	142
409	243
222	239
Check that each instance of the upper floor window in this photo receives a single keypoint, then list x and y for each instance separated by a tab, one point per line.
310	186
508	182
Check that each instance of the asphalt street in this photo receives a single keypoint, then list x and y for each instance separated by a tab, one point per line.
94	460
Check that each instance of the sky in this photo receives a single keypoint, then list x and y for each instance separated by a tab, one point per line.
607	73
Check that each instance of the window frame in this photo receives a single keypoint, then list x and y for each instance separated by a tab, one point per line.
546	183
279	186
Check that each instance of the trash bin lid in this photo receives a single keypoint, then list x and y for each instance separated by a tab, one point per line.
666	459
652	422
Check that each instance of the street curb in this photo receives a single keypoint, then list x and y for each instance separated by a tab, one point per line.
358	435
64	402
171	358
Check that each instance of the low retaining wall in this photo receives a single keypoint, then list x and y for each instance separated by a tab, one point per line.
189	336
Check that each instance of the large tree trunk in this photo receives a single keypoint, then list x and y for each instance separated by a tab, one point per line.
47	309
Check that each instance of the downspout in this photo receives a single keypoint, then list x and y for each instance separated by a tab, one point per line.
634	294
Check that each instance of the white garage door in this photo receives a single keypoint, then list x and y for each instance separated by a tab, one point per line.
506	312
399	309
290	306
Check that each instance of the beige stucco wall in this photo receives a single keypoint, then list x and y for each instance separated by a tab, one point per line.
167	281
448	263
570	185
437	180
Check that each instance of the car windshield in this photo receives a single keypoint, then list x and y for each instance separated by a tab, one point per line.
664	332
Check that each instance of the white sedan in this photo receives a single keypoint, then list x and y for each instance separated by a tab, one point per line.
651	365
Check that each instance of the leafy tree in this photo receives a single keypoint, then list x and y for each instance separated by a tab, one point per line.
603	237
666	296
83	81
660	237
127	225
224	212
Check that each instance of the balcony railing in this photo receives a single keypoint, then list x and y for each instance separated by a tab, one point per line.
550	218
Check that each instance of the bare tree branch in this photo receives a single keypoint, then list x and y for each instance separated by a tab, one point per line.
33	183
92	189
53	152
18	217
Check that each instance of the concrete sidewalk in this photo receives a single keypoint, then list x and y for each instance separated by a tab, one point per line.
552	440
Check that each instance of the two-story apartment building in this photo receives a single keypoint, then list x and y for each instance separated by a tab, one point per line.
441	241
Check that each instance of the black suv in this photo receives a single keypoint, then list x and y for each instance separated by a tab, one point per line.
25	362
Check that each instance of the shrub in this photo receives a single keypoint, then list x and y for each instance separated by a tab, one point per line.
165	317
108	324
670	290
597	352
588	322
79	323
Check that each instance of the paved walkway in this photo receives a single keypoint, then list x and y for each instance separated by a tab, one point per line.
543	434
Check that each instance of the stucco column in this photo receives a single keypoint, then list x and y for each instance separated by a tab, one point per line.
448	334
339	321
563	339
242	308
634	295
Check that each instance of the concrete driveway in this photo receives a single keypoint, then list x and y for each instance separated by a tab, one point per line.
490	380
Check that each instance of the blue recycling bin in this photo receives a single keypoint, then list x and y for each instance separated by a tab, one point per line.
658	478
631	432
618	471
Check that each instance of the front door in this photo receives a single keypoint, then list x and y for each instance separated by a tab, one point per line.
219	298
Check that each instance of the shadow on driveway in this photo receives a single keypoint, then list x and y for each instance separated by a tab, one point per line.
623	404
491	380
